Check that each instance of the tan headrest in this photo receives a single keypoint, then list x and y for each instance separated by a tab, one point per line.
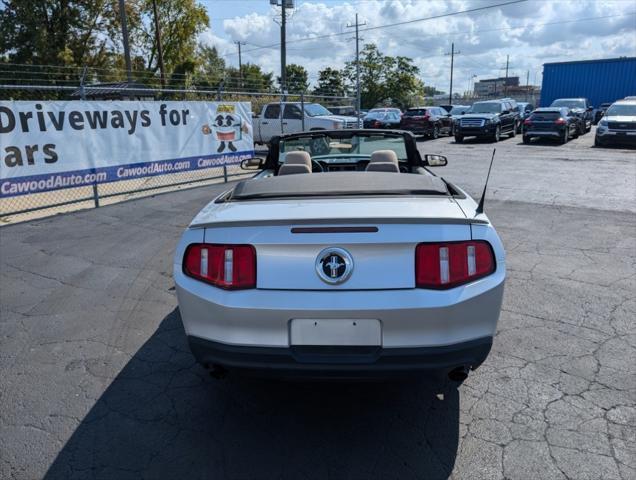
384	156
383	167
286	169
298	158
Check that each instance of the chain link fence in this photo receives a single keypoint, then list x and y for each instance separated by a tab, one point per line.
60	84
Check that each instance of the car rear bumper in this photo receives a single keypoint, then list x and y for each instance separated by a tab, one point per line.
543	133
417	129
344	362
408	317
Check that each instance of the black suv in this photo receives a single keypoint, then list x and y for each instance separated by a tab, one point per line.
490	119
581	108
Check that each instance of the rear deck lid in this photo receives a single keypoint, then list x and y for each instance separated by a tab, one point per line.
326	211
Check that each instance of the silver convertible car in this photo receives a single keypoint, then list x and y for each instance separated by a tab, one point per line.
344	256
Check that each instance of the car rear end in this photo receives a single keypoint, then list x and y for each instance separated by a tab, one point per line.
373	119
546	124
423	294
419	121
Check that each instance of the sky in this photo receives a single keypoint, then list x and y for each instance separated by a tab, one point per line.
531	33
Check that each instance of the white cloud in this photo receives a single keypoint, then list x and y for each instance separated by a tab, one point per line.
484	38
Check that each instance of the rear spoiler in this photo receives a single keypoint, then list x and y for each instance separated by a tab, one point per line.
343	221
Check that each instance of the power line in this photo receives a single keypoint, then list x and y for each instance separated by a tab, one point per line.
389	25
545	24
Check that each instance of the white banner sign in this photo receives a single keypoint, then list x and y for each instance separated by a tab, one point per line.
52	145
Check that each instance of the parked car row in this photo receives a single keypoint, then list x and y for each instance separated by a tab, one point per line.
564	119
483	119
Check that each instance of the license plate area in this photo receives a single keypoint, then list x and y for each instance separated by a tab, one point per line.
331	332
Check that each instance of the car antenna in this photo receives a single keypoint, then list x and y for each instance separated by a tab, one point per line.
480	207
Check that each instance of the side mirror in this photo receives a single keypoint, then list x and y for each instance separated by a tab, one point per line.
505	112
463	112
254	163
590	108
435	160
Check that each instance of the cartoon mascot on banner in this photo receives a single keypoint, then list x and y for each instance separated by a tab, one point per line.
227	126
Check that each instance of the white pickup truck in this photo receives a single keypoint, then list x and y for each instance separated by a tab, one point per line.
269	123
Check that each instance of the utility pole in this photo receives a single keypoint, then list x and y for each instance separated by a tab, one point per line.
283	48
506	81
452	55
527	85
162	69
239	43
124	31
358	97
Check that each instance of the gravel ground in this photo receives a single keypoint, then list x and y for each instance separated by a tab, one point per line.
96	380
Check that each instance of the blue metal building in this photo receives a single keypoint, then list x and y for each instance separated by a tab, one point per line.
600	81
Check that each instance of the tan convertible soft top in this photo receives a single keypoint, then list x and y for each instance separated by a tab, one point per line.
339	184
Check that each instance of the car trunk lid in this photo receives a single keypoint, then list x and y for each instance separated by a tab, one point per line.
379	234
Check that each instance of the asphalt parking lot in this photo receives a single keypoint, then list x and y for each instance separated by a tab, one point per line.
97	380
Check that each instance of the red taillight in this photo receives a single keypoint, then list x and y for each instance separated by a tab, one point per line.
231	267
450	264
527	122
560	121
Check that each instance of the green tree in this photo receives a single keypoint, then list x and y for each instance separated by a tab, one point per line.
57	32
180	22
430	91
297	78
254	79
331	82
88	33
210	69
385	79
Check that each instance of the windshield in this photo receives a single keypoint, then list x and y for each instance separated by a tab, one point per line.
624	110
458	110
415	112
488	107
546	116
340	150
375	115
570	103
315	109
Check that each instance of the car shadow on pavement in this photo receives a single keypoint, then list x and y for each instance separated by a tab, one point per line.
548	142
164	417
